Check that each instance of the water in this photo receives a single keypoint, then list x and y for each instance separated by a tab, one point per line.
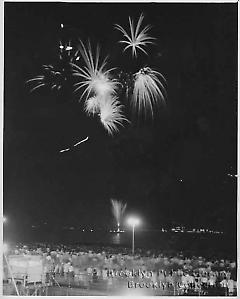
202	244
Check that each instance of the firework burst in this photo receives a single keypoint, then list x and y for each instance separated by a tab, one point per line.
55	76
111	114
51	78
94	78
137	39
92	105
148	90
83	70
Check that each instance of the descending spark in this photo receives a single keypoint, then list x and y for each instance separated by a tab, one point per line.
65	150
81	141
111	114
137	39
118	209
148	90
94	78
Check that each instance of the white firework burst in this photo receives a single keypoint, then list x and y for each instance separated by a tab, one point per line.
137	39
111	114
148	90
92	105
94	77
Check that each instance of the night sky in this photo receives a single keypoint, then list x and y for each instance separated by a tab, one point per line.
172	170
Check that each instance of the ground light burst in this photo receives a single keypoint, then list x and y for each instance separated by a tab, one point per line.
148	91
111	114
118	209
137	39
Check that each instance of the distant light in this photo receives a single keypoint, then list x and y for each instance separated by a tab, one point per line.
133	221
91	230
78	58
83	230
62	25
61	47
68	48
232	175
5	247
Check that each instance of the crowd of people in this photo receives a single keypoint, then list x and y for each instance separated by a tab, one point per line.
116	268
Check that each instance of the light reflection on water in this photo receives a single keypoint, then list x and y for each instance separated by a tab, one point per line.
143	239
116	239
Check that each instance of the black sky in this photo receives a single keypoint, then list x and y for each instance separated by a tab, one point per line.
173	169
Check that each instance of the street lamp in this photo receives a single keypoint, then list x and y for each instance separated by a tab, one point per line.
132	221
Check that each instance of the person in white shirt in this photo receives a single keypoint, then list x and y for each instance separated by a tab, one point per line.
230	285
104	274
224	285
66	270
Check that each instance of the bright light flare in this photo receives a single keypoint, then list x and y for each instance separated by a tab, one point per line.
137	39
148	90
111	114
133	221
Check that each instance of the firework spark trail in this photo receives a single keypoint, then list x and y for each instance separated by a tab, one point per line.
118	209
148	90
65	150
136	39
76	144
81	141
